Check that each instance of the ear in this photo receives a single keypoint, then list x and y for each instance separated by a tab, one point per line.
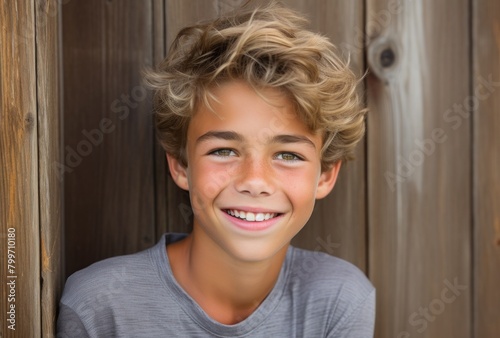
178	172
327	180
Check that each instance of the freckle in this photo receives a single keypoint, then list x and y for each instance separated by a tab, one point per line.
498	242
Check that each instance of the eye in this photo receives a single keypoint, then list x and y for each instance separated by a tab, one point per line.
288	157
223	152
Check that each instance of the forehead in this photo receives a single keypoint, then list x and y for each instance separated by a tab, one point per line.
237	103
237	112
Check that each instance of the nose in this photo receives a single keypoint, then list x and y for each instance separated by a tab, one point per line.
255	178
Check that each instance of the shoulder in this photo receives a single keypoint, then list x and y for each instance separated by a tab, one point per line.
337	287
318	269
91	296
104	280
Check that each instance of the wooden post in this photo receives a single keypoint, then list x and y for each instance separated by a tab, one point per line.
47	14
19	177
486	162
419	167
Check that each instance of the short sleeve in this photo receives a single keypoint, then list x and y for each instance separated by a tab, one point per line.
360	323
69	325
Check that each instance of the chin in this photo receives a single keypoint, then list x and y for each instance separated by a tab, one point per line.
251	251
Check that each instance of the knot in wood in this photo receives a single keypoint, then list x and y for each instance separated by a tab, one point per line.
387	57
383	57
29	121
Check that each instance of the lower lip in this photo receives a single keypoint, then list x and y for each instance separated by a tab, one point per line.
252	226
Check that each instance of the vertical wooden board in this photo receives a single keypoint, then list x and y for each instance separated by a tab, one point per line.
182	13
419	176
486	76
179	14
108	140
49	152
159	47
19	219
338	224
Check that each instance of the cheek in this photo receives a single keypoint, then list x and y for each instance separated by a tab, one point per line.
303	182
301	190
208	181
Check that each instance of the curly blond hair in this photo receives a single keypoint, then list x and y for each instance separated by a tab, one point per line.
267	46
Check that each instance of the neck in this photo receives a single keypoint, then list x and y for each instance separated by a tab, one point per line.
227	289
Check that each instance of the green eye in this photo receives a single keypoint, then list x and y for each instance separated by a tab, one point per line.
223	152
288	157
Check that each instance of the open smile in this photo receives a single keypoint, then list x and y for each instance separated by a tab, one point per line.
251	216
252	220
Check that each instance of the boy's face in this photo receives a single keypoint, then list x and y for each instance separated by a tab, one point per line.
254	172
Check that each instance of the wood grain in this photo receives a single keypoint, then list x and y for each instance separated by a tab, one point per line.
161	171
419	172
486	76
109	188
19	208
338	224
49	152
179	14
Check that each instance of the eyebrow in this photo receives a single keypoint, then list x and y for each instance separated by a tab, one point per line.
292	139
233	136
223	135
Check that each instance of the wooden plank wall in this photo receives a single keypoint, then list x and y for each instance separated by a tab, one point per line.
417	211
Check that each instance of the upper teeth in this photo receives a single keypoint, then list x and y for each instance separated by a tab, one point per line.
250	216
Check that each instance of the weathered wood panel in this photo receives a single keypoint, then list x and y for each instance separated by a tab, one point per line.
419	167
49	153
161	169
179	14
338	224
19	208
108	134
486	95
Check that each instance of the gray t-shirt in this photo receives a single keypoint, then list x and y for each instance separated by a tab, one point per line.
316	295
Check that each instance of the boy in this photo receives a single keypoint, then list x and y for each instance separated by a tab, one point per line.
255	114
